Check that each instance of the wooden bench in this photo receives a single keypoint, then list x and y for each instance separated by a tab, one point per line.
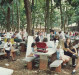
57	65
29	62
5	71
2	53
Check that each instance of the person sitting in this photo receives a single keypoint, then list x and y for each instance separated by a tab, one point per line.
51	35
45	40
60	49
34	49
69	51
7	48
77	66
14	35
18	37
77	37
50	44
8	35
56	38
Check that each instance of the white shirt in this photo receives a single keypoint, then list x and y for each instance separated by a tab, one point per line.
61	52
6	46
41	38
11	33
8	35
18	35
62	35
50	44
25	35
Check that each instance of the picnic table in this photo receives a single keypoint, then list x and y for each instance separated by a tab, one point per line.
44	57
49	53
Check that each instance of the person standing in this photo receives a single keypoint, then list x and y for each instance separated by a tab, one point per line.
39	37
51	35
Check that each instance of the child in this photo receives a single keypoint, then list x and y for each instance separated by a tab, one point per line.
61	55
7	48
34	49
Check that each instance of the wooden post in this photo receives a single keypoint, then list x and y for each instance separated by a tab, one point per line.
43	62
29	65
58	69
53	58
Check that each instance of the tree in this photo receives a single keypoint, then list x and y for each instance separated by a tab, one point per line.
15	14
75	5
8	16
47	16
18	16
4	2
28	15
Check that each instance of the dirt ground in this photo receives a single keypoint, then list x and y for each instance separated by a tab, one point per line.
19	67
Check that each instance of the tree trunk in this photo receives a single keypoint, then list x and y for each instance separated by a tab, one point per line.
32	5
18	18
61	15
33	13
65	23
47	16
12	17
51	16
66	20
40	26
8	19
36	24
28	15
33	23
78	26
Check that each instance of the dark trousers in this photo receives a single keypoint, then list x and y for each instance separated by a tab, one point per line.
8	53
70	55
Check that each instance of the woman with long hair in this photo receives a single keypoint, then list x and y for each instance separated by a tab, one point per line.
70	51
60	49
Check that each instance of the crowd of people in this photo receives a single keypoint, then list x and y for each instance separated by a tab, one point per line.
65	45
16	37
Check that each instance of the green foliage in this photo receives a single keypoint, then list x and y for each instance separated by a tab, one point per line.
57	2
38	12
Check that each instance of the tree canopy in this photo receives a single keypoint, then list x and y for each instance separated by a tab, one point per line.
29	14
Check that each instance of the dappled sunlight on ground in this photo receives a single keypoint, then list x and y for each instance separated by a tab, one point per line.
20	68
